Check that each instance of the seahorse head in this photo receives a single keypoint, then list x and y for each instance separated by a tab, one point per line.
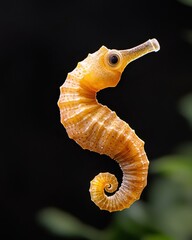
105	66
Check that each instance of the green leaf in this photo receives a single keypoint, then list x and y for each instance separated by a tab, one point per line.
179	221
185	107
61	223
169	207
156	237
186	2
187	35
176	167
135	220
185	149
138	212
176	221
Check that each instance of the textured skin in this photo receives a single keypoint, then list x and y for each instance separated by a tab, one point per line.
96	128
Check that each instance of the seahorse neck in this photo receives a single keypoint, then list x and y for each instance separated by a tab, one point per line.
78	81
87	92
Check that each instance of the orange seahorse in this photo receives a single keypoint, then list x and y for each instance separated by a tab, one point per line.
96	128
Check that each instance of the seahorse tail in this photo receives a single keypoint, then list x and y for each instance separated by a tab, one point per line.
133	182
102	183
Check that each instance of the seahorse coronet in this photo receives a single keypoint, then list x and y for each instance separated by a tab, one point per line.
96	128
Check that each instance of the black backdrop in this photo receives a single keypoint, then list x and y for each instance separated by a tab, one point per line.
40	42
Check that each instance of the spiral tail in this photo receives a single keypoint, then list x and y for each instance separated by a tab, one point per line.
104	182
134	180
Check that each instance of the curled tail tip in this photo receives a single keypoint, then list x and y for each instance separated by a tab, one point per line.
118	200
101	184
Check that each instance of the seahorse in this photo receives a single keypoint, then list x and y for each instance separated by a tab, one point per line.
96	128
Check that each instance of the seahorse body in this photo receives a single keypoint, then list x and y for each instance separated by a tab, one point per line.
96	128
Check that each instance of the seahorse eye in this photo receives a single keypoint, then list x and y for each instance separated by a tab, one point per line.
113	59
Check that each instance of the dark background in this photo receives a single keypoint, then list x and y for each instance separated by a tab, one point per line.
40	42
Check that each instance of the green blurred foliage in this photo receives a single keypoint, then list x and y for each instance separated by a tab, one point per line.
187	35
186	2
64	224
185	107
165	215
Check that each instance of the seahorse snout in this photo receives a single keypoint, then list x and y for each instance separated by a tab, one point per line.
129	55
